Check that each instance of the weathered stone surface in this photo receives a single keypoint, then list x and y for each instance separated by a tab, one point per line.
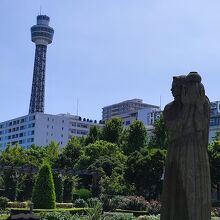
186	187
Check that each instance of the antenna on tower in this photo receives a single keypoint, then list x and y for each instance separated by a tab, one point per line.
40	9
77	106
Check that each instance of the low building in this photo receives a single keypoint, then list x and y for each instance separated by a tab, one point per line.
40	129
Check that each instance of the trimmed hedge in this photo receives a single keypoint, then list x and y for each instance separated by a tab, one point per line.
70	210
64	205
135	213
17	205
44	196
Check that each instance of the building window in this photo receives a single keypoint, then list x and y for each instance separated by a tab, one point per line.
21	135
31	118
31	125
30	140
212	122
23	127
31	132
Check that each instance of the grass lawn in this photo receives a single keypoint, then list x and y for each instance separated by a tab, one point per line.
3	217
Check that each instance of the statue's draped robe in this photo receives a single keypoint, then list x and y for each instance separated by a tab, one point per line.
186	186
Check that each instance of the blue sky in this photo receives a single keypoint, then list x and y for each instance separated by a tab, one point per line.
107	51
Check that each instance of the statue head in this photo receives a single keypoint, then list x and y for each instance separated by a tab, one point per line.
193	90
178	82
193	77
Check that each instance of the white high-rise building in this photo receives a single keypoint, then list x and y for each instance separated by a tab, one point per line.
122	109
40	129
131	110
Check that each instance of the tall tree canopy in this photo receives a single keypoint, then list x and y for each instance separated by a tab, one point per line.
159	137
136	137
112	130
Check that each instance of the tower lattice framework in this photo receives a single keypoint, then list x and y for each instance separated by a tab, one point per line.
42	35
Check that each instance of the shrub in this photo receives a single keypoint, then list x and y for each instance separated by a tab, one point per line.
55	216
107	204
64	205
44	191
58	183
154	207
68	190
215	203
3	202
80	203
93	201
137	203
119	202
10	183
120	216
17	205
95	213
216	212
82	194
149	217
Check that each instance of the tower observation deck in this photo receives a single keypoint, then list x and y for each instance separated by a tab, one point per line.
41	35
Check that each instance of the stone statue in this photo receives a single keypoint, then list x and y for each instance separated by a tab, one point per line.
187	188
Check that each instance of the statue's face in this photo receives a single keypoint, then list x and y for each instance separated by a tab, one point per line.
176	89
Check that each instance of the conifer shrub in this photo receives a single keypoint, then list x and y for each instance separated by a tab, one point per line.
3	202
68	190
58	183
44	196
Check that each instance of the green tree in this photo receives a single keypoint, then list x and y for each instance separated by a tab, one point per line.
10	184
25	186
144	171
70	154
93	136
98	151
44	196
112	130
52	150
35	155
113	185
13	156
58	183
70	184
159	138
136	137
214	158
